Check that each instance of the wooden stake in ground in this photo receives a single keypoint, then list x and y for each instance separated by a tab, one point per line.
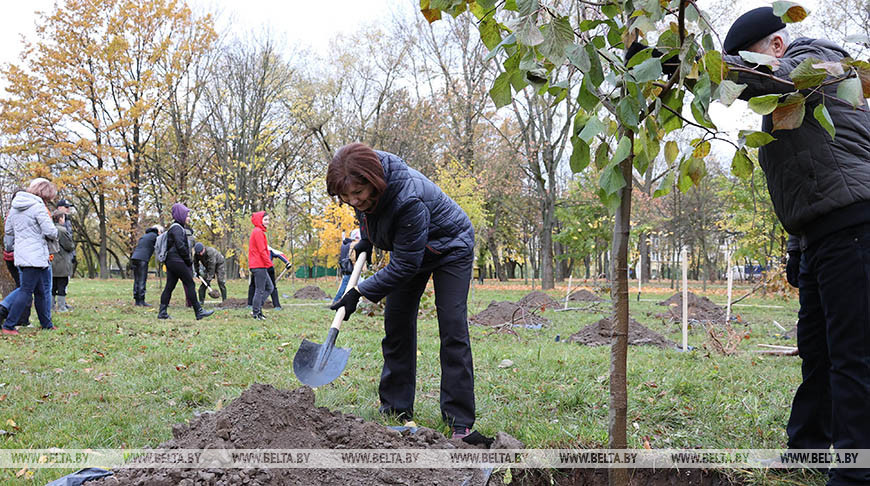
568	292
730	283
684	258
638	274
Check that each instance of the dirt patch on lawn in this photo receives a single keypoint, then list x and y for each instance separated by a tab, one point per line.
584	295
538	300
599	334
234	303
700	308
264	417
507	313
637	477
311	292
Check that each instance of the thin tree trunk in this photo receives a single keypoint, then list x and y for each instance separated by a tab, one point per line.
618	405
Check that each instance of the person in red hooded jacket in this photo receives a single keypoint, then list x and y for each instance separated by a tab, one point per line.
259	262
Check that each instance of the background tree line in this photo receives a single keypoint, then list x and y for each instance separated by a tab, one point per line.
131	106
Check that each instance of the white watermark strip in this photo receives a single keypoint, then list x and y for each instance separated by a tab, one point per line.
432	458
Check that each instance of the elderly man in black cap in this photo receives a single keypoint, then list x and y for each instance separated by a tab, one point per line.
820	188
208	263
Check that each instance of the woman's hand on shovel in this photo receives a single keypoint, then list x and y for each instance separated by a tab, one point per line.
348	301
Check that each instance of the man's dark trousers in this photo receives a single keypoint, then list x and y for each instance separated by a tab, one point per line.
832	404
140	278
451	277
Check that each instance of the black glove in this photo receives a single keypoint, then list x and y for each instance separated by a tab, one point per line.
348	301
363	246
793	268
669	65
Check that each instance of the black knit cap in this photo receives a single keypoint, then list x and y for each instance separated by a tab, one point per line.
197	248
750	28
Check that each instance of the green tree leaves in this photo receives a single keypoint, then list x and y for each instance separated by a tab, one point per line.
824	118
789	114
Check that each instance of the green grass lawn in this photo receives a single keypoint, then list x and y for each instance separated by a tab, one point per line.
113	375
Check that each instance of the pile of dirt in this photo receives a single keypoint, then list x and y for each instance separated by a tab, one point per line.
311	292
599	334
502	313
538	300
584	295
264	417
239	303
701	309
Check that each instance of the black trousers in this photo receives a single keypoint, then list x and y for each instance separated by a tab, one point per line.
58	285
833	332
398	378
140	279
263	285
178	270
252	287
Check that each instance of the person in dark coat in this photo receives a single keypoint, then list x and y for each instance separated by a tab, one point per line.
139	261
61	263
820	188
208	264
428	235
179	264
345	265
64	206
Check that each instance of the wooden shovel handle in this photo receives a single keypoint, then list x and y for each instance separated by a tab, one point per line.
351	283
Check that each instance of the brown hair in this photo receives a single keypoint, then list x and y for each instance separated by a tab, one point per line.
57	215
42	188
355	163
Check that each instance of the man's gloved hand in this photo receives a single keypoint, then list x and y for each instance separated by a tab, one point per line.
363	246
669	65
348	301
793	268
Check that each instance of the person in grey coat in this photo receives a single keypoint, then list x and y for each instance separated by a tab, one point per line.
139	261
29	229
61	263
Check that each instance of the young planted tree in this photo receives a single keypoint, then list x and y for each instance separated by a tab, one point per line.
626	109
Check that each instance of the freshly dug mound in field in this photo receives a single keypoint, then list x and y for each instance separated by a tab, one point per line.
700	308
538	300
499	313
239	303
264	417
599	334
584	295
311	292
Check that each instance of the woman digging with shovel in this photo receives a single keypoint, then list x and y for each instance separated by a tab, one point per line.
428	234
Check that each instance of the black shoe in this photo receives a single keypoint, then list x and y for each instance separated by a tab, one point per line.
145	304
200	312
163	313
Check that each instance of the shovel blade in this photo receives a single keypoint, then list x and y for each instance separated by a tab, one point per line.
318	364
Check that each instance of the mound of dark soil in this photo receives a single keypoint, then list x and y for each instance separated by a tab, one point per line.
599	334
637	477
264	417
584	295
538	300
312	292
700	308
239	303
501	313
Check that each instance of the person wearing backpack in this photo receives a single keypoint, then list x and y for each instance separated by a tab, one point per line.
174	248
345	265
139	261
259	262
